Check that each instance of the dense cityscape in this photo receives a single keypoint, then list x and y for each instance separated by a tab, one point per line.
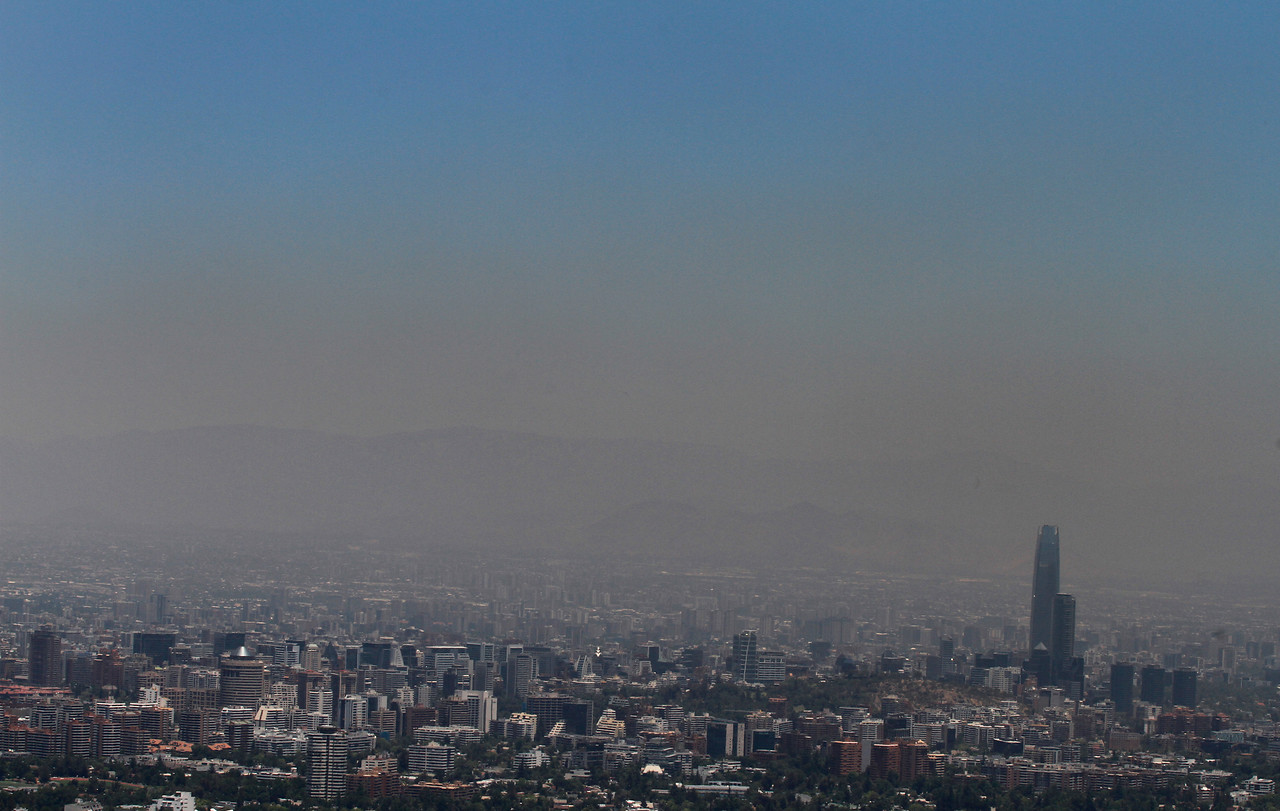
366	676
639	405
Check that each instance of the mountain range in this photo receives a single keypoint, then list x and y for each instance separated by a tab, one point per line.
970	513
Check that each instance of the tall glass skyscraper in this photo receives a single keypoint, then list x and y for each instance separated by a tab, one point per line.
1044	587
1122	687
746	657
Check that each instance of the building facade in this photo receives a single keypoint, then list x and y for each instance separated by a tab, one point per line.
45	658
241	679
746	657
327	759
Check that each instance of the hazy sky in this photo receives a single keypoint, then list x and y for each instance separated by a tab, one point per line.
802	229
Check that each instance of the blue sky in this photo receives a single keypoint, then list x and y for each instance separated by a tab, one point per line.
799	229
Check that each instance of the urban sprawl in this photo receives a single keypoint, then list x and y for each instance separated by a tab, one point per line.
207	672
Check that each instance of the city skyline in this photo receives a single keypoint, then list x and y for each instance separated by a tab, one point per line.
639	405
431	666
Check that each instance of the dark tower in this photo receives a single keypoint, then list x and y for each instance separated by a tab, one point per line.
157	646
746	657
1154	679
1184	687
1063	646
45	658
1044	587
1040	665
1122	687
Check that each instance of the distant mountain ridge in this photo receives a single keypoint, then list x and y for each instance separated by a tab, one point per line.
630	498
798	534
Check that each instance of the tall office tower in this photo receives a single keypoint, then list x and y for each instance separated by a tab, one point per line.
870	730
473	708
224	641
157	646
311	657
946	648
746	657
484	675
327	759
1122	687
1184	687
241	679
376	654
158	608
352	711
1063	644
45	658
320	701
1071	678
577	716
281	654
1153	682
725	739
239	735
1044	587
520	673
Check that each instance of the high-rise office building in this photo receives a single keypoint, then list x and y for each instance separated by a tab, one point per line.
352	711
241	679
1184	687
45	658
1040	665
870	730
549	707
320	701
375	654
577	716
484	675
1122	687
1063	638
520	673
311	657
224	641
1045	583
1154	679
157	646
1071	678
725	739
327	763
746	657
472	708
771	667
